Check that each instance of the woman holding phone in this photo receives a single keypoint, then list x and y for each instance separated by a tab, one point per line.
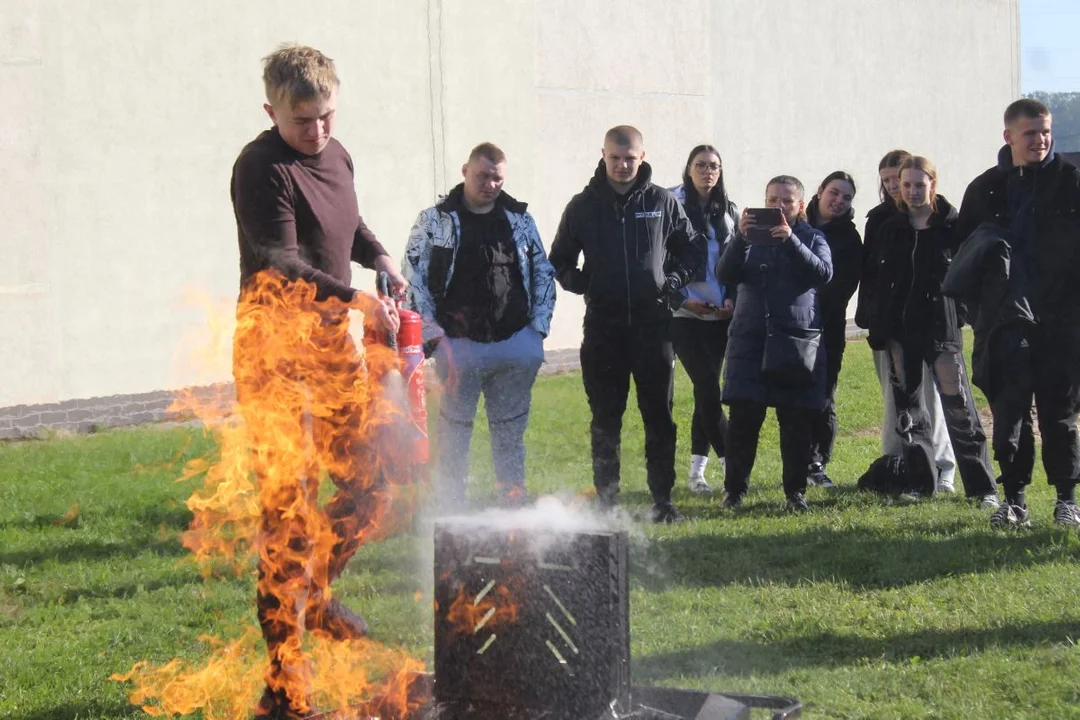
699	328
778	261
944	459
918	327
830	212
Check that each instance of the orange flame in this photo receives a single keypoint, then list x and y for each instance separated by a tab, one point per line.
311	407
469	613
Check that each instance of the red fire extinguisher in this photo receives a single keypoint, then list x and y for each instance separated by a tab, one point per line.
408	345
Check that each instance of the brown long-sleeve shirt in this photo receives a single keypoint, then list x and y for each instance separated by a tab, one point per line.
298	214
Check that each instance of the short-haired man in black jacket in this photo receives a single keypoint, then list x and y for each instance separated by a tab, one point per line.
1034	195
637	249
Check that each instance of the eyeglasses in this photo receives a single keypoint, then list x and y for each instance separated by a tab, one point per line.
703	166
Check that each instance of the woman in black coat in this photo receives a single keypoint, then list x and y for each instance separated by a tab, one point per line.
830	212
944	459
699	328
778	276
919	327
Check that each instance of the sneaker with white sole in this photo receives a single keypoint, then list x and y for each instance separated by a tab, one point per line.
946	486
1010	516
698	485
989	502
1066	514
910	497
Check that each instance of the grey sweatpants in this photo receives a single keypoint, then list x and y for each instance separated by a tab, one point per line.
890	441
504	372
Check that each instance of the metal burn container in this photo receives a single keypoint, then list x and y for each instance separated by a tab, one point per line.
532	620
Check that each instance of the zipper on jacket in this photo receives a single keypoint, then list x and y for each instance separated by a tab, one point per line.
911	287
626	262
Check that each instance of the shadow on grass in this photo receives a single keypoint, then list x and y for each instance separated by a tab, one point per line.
83	550
746	658
88	709
861	558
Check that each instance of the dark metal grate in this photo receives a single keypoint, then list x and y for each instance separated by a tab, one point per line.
530	620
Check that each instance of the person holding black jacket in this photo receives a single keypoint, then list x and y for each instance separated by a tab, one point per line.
830	212
699	330
638	253
1031	201
944	459
918	326
774	359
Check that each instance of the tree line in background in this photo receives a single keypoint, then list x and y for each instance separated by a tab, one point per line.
1065	107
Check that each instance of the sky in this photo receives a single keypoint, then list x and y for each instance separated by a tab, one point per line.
1049	45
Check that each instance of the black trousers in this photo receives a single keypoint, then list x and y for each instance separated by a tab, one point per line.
744	427
700	346
610	356
961	419
824	426
1032	372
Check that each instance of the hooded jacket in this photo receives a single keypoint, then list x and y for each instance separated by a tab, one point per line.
905	274
1046	235
428	264
783	280
637	253
846	249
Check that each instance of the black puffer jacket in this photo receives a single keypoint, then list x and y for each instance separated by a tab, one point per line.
906	273
637	254
846	249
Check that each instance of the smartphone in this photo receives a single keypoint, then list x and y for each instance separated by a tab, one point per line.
765	219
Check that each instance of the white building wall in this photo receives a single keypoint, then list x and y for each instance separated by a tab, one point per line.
124	118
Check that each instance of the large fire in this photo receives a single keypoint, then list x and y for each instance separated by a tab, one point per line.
311	408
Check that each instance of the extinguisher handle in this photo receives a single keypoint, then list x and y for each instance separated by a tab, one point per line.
382	284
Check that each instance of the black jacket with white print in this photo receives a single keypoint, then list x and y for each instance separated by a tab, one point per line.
638	253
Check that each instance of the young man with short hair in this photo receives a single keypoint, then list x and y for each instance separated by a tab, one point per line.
479	277
298	221
1020	225
636	243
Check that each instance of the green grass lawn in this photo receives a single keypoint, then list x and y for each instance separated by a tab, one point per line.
860	608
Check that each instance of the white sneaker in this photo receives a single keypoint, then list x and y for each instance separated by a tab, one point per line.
989	502
946	486
696	481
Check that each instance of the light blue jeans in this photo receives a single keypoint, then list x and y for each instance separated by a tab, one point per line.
504	372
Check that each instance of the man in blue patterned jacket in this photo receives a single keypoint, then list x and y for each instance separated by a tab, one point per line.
481	281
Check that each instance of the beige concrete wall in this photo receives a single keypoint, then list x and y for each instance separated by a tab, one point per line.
125	117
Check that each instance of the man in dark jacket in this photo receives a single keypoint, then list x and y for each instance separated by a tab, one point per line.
1035	195
637	249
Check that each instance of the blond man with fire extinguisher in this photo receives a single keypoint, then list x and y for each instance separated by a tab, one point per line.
299	228
482	284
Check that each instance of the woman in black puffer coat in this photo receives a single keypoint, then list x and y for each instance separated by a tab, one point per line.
917	326
778	281
830	212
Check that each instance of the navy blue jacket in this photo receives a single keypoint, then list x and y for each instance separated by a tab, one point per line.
792	272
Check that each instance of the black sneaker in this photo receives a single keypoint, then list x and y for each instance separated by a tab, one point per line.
274	705
816	476
796	502
665	512
1010	516
733	501
1066	514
